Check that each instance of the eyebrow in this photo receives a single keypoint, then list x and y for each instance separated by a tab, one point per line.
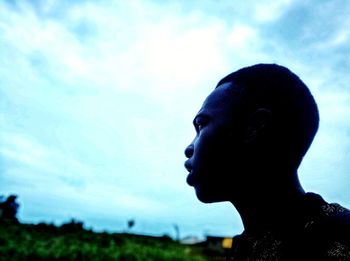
200	115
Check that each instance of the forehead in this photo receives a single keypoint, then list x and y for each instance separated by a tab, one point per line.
222	100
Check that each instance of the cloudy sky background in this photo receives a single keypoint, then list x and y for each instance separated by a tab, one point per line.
97	99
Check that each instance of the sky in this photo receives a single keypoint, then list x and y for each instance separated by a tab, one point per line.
97	100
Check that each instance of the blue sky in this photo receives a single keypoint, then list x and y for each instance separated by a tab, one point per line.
97	99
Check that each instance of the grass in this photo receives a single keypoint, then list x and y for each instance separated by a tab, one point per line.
72	242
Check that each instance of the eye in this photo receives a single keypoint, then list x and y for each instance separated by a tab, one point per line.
199	123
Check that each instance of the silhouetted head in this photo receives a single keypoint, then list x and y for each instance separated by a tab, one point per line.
258	119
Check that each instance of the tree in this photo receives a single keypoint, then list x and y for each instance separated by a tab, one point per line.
9	208
131	223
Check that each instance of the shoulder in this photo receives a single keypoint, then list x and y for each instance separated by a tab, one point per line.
332	213
337	219
336	213
330	230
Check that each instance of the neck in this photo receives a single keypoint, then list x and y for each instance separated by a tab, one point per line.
271	206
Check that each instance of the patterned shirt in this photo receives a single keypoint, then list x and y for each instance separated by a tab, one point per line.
324	235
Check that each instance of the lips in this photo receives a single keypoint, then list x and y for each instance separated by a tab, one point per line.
188	165
190	177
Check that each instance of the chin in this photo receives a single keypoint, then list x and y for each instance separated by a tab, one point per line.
207	197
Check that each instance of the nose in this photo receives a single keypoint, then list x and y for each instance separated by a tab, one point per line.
189	151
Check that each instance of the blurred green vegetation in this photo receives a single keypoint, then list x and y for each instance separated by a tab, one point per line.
72	242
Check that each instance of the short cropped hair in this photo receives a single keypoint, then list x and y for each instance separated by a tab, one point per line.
293	107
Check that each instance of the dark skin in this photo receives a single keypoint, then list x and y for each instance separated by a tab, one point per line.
235	158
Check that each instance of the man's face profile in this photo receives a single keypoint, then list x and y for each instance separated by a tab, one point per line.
213	156
252	133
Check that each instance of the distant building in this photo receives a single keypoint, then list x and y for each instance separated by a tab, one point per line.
191	240
216	245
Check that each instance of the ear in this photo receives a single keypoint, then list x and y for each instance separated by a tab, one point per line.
257	124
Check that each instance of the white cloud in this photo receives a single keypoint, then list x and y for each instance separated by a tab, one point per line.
21	149
241	35
269	11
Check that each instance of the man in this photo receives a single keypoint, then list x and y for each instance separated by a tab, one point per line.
252	132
